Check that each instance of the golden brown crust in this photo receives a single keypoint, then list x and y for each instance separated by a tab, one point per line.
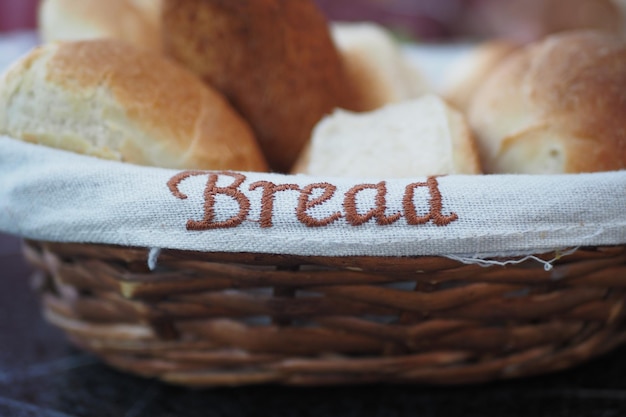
570	89
584	87
168	107
274	60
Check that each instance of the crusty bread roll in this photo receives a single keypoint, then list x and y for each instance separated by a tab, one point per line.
135	21
466	74
424	136
274	59
557	106
108	99
378	70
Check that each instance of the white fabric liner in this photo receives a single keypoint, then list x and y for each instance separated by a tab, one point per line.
52	195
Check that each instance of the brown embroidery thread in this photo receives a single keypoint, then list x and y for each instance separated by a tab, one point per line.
211	190
175	181
435	203
355	219
304	204
267	200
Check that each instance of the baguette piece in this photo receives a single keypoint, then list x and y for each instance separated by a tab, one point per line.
376	67
412	138
134	21
556	106
107	99
273	59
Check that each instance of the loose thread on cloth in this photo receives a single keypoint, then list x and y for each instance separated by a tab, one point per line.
547	265
153	258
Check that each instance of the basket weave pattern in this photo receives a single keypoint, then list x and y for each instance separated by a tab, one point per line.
214	319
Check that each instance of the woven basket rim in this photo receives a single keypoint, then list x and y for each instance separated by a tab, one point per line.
481	227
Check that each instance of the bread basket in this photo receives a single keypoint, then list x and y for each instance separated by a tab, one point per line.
224	278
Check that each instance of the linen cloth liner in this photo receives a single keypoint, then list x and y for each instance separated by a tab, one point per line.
53	195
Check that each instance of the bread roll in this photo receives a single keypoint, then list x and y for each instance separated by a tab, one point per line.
557	106
376	67
274	59
412	138
134	21
471	70
108	99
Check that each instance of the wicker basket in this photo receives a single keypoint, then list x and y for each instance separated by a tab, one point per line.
214	319
281	294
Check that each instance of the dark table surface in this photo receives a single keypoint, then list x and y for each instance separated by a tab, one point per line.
42	375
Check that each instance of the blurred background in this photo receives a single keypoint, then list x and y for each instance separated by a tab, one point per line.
519	20
432	20
17	14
